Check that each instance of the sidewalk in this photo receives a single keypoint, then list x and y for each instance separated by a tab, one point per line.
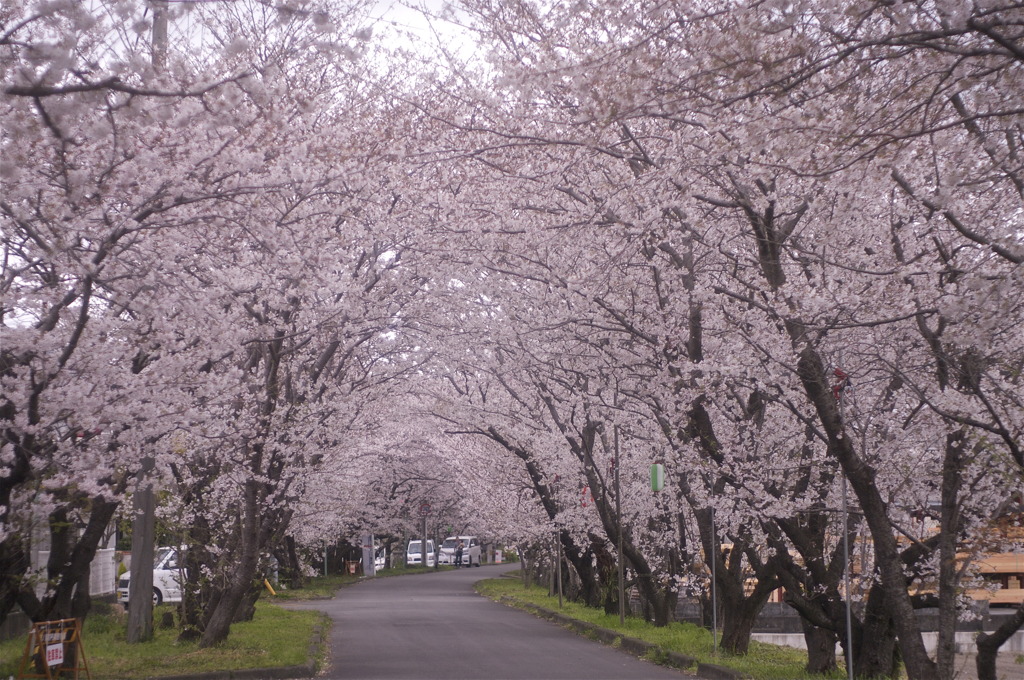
1009	667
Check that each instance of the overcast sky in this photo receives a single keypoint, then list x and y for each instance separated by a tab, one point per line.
399	18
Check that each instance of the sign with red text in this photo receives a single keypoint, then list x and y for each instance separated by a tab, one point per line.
55	654
54	650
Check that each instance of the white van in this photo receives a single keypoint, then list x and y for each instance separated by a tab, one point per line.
470	550
414	553
166	578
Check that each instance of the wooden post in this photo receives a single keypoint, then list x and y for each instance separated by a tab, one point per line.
140	587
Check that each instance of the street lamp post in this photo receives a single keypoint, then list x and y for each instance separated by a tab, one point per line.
618	521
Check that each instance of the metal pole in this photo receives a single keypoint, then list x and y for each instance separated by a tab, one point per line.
558	563
714	585
846	555
423	546
618	521
846	584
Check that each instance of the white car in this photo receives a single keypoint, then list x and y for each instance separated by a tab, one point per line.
166	578
470	550
414	553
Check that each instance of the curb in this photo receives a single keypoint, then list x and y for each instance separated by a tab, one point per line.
634	646
301	671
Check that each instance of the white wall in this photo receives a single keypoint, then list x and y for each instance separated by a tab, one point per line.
102	577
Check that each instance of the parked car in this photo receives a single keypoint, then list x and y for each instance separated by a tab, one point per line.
470	550
414	553
166	578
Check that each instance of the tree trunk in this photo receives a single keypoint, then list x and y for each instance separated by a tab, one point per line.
240	583
247	607
526	572
739	610
68	567
579	557
811	371
582	561
607	576
659	602
292	569
736	630
949	532
875	649
874	637
811	590
821	648
196	591
140	587
739	613
862	479
14	563
227	605
989	644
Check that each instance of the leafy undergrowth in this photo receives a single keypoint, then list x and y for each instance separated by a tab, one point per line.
275	637
763	662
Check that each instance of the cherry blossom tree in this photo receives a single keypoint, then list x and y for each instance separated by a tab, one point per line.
204	278
698	116
776	246
83	188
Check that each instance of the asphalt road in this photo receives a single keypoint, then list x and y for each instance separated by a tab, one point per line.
434	625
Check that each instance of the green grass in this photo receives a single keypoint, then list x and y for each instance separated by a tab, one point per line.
401	571
320	587
275	637
316	588
763	662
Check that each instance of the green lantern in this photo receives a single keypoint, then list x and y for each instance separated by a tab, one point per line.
657	477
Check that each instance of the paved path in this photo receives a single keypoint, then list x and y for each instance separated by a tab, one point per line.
434	625
1007	667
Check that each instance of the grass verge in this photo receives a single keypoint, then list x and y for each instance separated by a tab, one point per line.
275	637
763	662
324	587
316	588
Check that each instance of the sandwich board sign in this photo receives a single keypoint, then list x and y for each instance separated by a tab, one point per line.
54	650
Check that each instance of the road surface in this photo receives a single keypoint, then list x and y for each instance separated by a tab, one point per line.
434	625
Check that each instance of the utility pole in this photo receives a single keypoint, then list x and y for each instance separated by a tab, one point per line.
159	34
140	585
